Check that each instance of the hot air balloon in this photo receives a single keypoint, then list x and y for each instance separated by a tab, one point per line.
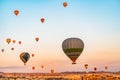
95	68
73	47
33	55
65	4
106	67
12	49
16	12
52	71
86	66
19	42
42	66
24	56
8	40
14	41
33	68
2	50
42	20
37	39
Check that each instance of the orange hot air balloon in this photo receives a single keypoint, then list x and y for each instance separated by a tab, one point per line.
19	42
2	50
14	41
16	12
8	40
33	68
52	71
37	39
33	55
106	67
12	49
42	66
65	4
42	20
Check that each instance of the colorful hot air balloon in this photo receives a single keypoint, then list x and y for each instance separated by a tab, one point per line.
86	66
33	68
42	20
52	71
2	50
33	55
16	12
8	40
14	41
73	47
12	49
42	66
19	42
37	39
24	56
65	4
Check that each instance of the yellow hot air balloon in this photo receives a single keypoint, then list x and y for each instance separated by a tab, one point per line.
42	66
8	40
73	47
24	56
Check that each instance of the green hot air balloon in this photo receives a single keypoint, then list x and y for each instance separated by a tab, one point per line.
24	56
73	47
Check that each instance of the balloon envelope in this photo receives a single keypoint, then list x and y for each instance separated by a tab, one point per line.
12	49
8	40
19	42
73	47
42	66
86	66
42	20
33	68
14	41
16	12
65	4
24	56
37	39
2	50
33	55
52	71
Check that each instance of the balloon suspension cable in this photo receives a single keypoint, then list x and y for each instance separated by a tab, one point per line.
24	64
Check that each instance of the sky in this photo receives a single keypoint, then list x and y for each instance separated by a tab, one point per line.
96	22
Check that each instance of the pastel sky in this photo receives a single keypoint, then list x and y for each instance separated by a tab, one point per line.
96	22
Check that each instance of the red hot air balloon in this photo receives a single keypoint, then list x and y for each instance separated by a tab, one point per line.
42	20
33	68
19	42
16	12
95	68
65	4
33	55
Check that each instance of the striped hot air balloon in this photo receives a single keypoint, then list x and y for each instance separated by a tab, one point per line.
73	47
24	56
